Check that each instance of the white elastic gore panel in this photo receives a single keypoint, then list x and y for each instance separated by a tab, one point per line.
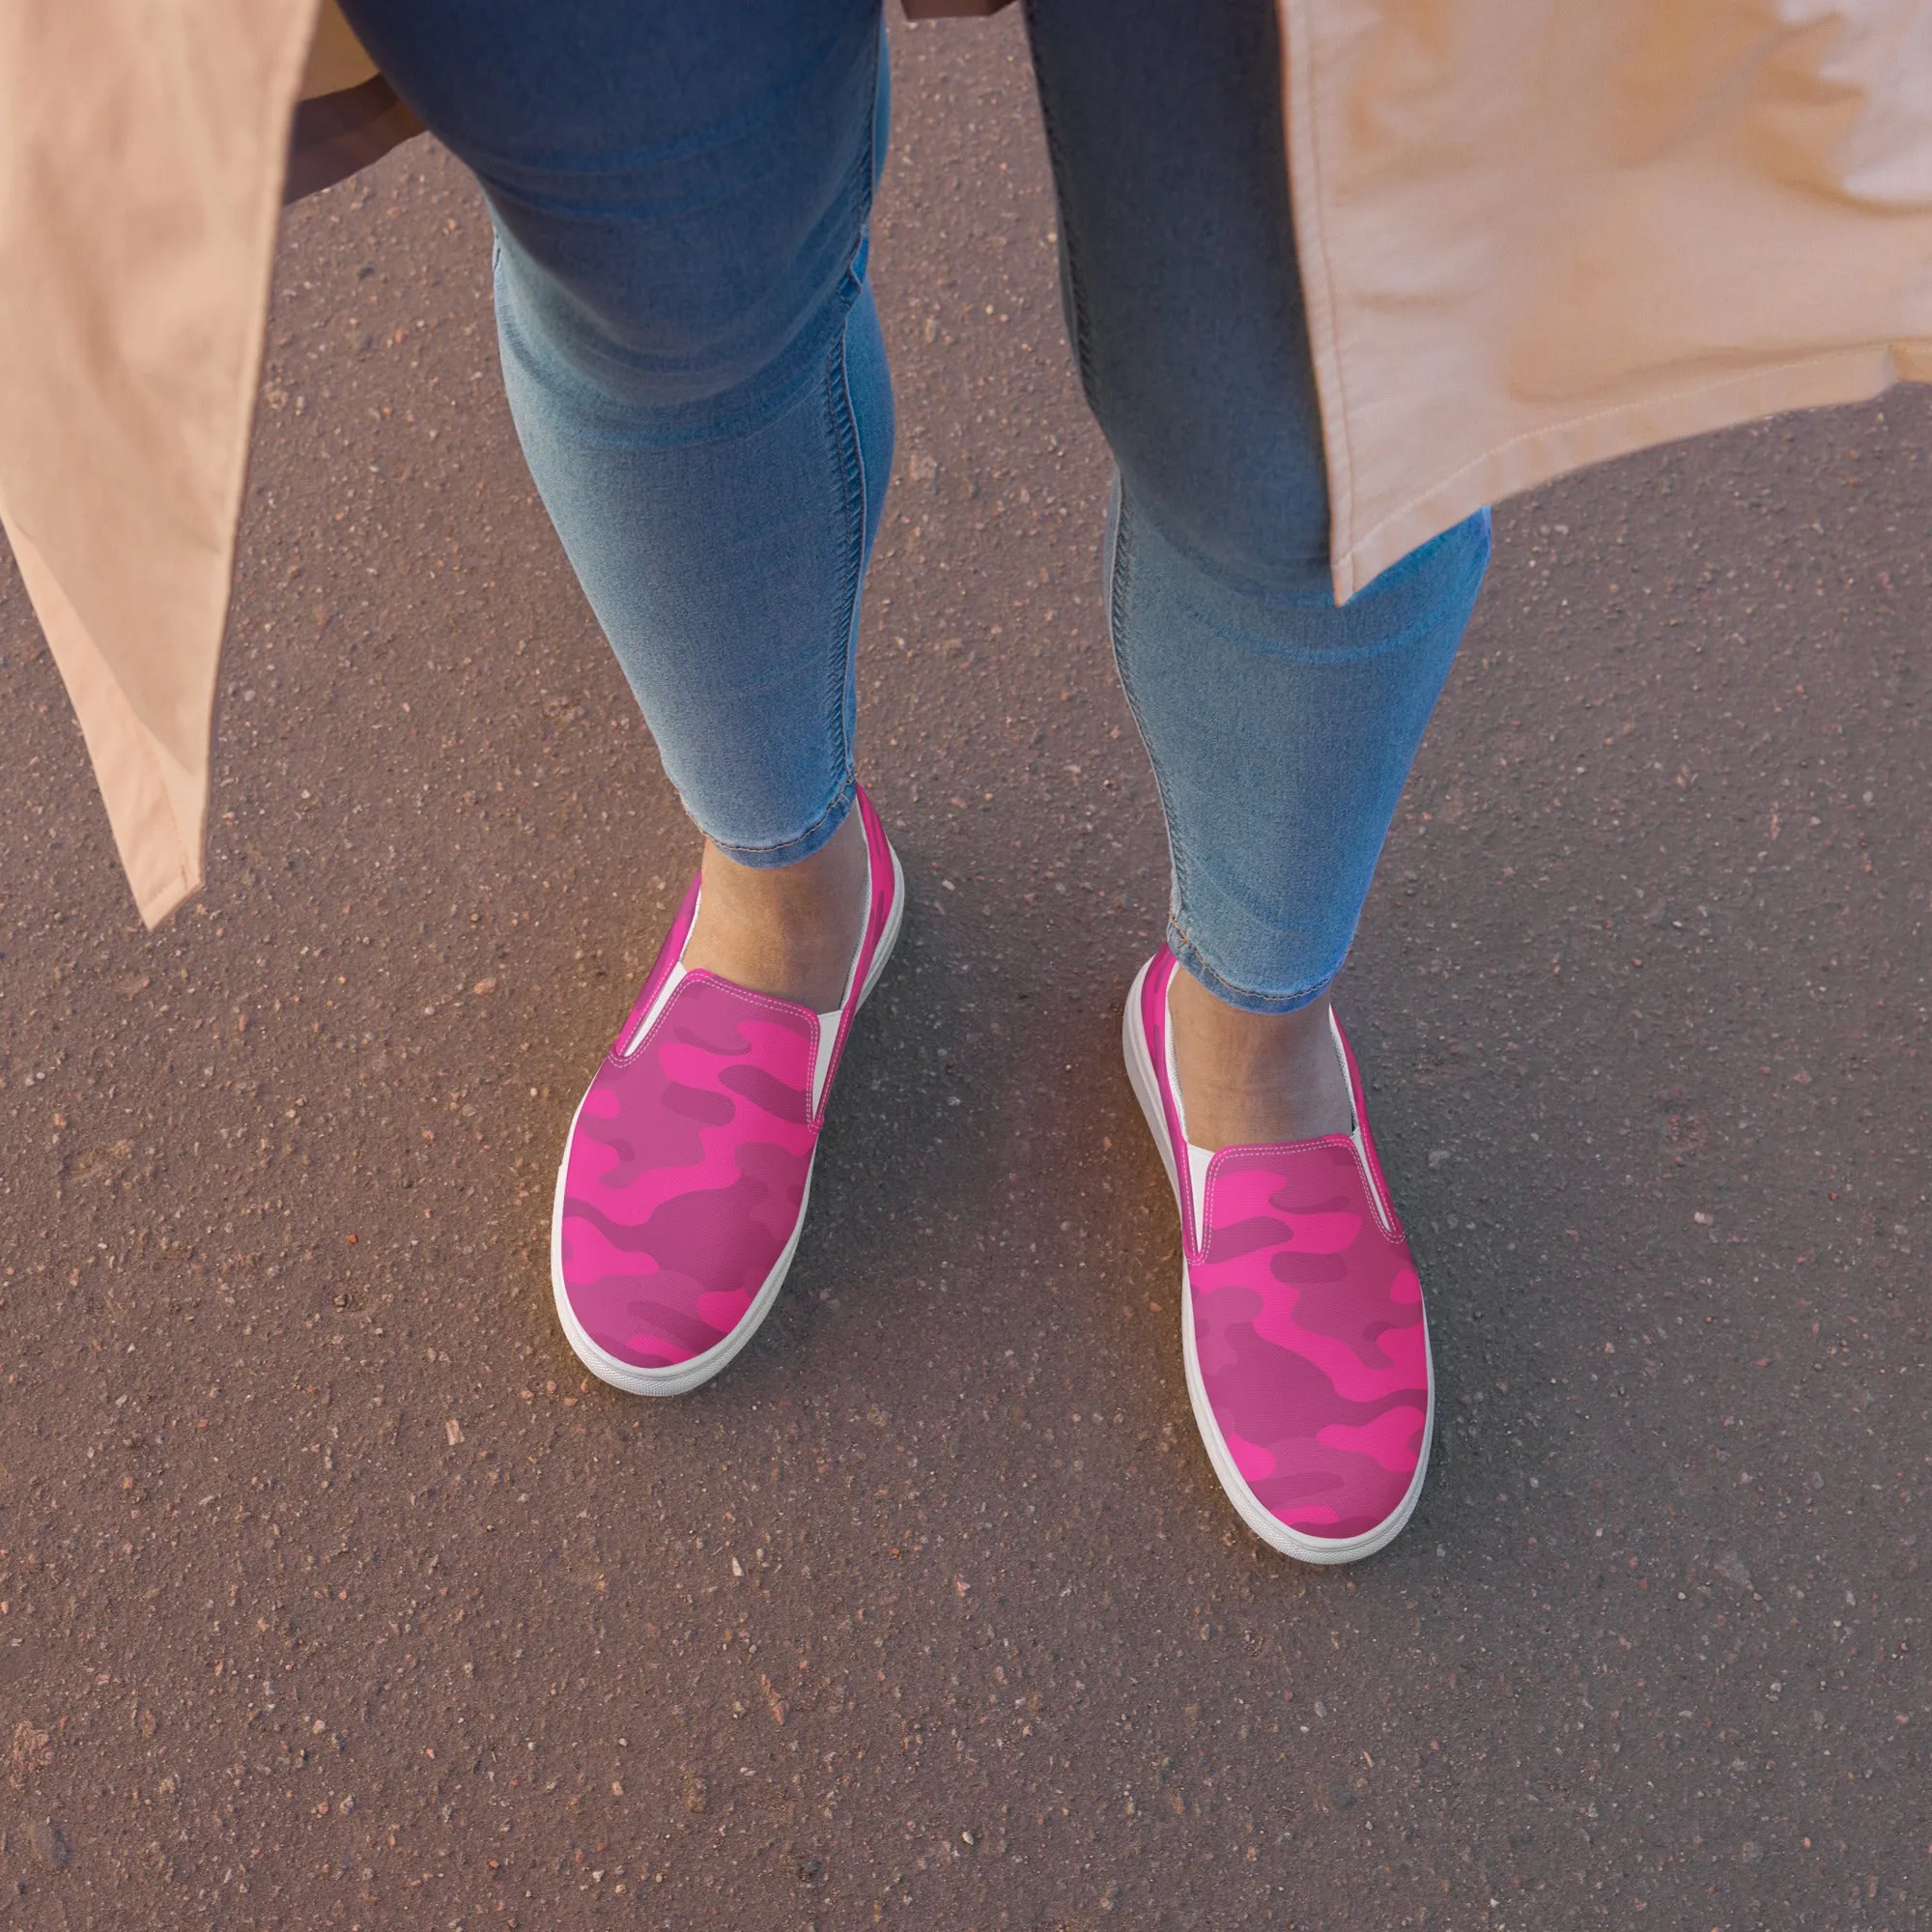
656	1006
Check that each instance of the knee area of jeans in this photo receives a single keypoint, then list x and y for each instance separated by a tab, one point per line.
1286	610
1423	600
709	374
1230	549
1451	563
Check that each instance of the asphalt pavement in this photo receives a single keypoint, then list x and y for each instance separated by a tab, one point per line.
332	1593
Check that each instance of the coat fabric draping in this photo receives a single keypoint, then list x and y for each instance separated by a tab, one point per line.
1533	234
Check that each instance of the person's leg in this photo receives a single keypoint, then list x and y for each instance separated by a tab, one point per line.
1281	726
694	364
680	195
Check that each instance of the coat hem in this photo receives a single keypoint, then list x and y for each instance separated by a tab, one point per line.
1317	281
156	794
151	799
1541	455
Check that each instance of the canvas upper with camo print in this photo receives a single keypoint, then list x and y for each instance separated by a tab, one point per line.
684	1182
1303	1330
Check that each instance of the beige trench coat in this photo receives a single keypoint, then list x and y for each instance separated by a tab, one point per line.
1534	233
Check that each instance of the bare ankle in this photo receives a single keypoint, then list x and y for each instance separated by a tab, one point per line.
1255	1078
788	931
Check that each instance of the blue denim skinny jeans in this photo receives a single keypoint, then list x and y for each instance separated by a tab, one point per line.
681	194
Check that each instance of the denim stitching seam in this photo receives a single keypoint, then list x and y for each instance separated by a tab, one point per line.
850	457
1117	592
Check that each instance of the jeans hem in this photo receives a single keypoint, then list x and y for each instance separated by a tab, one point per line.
819	833
1240	997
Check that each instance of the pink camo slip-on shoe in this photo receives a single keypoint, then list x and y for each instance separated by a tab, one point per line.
1301	1315
684	1181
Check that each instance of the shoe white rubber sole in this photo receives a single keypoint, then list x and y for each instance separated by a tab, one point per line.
1249	1507
683	1377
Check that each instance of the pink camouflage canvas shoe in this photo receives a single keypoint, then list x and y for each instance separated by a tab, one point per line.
683	1186
1301	1315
